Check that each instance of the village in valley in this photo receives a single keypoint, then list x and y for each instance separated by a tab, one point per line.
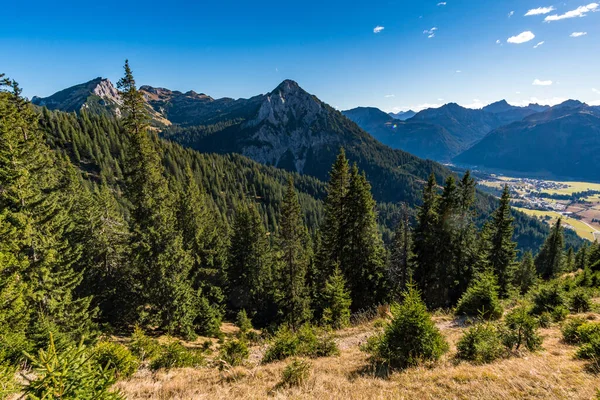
578	203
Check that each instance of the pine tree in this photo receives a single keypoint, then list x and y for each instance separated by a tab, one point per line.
549	261
162	266
363	258
332	236
426	242
337	301
525	275
294	258
203	239
249	270
103	234
570	260
582	258
502	249
35	217
401	256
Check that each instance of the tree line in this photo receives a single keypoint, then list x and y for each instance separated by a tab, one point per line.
146	245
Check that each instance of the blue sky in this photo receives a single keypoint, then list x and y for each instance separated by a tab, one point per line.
332	48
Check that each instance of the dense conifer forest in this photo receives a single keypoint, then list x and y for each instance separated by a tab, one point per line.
107	229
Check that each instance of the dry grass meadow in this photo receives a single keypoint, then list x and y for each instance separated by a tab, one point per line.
552	373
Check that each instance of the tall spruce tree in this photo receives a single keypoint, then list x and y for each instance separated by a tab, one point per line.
363	257
203	238
426	242
249	266
582	257
337	301
36	224
502	251
161	265
401	256
294	258
525	275
332	236
550	260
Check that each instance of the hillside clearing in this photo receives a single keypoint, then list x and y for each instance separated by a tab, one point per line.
552	373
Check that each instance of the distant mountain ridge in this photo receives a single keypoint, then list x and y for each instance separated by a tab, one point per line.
421	139
563	141
403	115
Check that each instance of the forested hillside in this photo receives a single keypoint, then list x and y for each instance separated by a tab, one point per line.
106	229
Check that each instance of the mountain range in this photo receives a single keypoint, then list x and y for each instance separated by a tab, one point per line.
293	130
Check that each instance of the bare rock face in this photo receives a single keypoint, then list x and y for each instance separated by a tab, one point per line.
95	94
286	125
106	90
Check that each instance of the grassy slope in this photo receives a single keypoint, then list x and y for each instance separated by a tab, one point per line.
552	373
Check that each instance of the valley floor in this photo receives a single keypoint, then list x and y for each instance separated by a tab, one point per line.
552	373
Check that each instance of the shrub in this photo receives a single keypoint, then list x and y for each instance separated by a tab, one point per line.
243	322
587	331
548	298
8	384
234	352
295	373
545	319
69	375
591	349
175	355
307	341
142	346
411	337
117	358
559	313
580	301
481	344
481	298
521	330
570	328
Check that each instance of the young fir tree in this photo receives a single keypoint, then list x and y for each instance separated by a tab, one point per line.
501	254
363	258
426	242
549	261
337	301
35	214
401	256
294	258
161	265
249	270
525	275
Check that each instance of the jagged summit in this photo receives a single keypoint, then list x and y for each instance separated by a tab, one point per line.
99	92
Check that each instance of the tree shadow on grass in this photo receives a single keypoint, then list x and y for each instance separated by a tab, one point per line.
377	370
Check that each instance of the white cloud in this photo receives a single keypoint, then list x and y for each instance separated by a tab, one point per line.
440	100
540	11
475	104
521	37
510	14
578	34
430	32
378	29
442	3
596	91
534	100
539	44
458	71
498	41
578	12
538	82
387	96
